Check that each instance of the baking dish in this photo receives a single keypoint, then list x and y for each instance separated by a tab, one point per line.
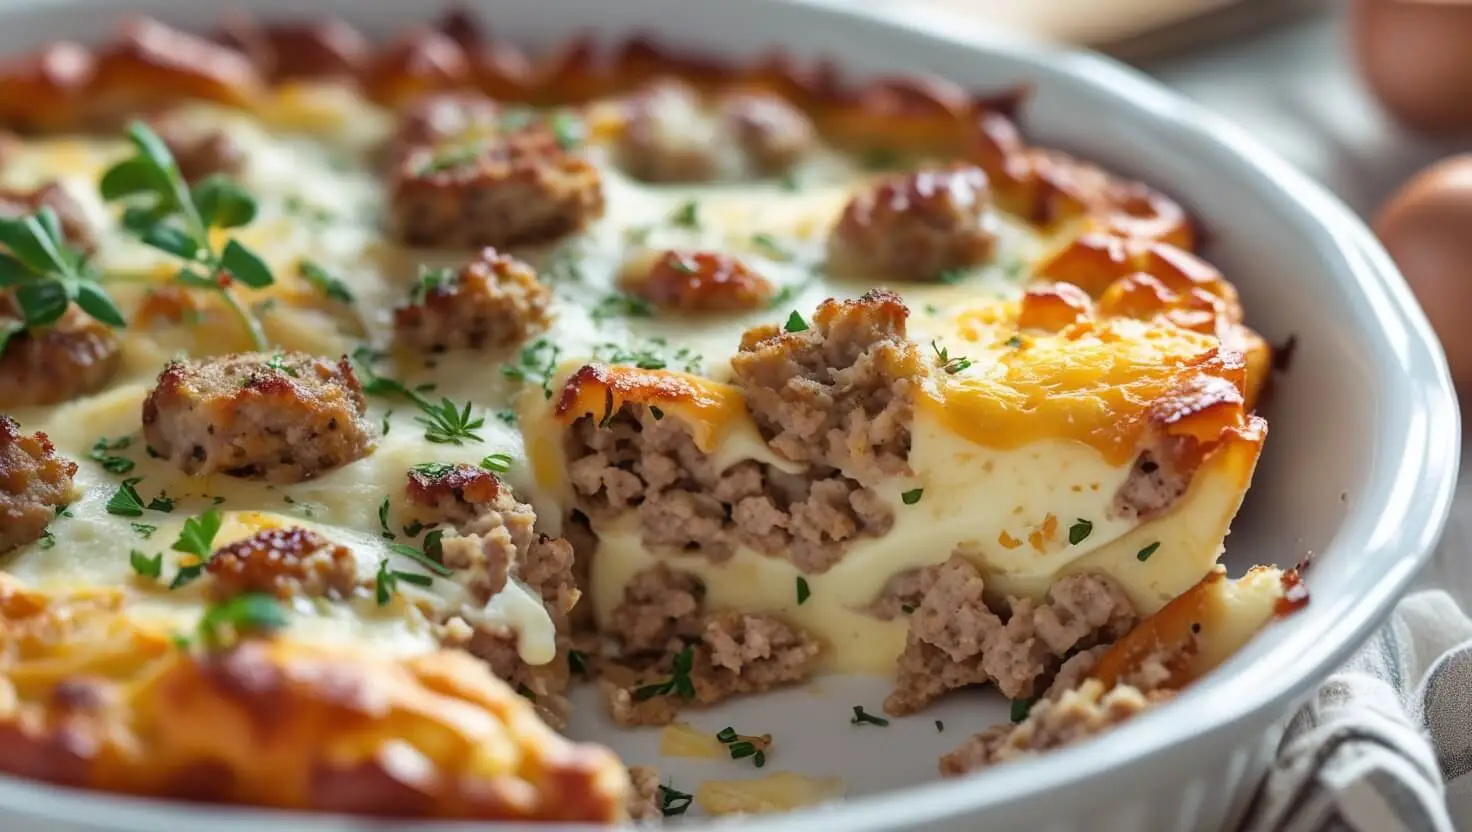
1358	473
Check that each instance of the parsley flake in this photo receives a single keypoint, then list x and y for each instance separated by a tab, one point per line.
144	530
679	682
1080	530
862	717
621	305
499	463
145	566
912	496
742	746
1145	553
252	612
125	502
673	802
325	284
687	215
947	363
109	462
803	593
795	323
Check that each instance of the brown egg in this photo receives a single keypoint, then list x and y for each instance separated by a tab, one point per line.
1416	55
1427	228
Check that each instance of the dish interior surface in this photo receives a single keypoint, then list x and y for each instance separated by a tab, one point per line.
1363	489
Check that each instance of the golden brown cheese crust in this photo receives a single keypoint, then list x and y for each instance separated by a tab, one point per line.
92	699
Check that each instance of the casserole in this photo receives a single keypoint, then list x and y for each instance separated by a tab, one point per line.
1403	488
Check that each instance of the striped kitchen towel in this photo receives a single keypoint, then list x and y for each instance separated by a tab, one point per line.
1386	741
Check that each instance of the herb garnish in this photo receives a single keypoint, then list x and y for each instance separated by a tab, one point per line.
164	503
125	502
863	717
537	363
431	280
48	540
1079	530
687	215
795	323
386	533
1015	341
278	363
499	463
429	557
673	802
621	305
577	662
947	363
386	582
679	682
742	746
196	538
145	566
109	462
770	247
252	612
939	726
652	354
433	470
175	218
950	277
912	496
803	593
444	424
319	278
1145	553
144	530
47	276
1021	708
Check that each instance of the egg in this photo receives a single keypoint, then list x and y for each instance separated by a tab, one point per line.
1416	56
1427	228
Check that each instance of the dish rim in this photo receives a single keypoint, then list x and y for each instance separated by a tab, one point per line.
1402	511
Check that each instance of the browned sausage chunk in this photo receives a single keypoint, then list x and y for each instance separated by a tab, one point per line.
74	226
672	135
73	357
513	183
699	281
916	226
200	151
492	301
282	418
34	481
839	392
288	563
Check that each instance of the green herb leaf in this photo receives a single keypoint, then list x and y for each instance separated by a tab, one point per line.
621	305
947	363
253	612
445	424
687	215
433	470
223	203
125	502
500	463
795	323
1145	553
421	558
246	266
145	566
862	717
912	496
386	532
1080	530
803	593
42	303
198	535
109	462
673	802
144	530
95	302
161	503
1021	708
678	684
330	287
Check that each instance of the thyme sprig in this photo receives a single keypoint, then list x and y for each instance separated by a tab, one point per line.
167	214
47	276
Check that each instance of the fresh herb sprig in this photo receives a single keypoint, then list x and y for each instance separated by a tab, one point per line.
166	213
252	612
679	682
47	276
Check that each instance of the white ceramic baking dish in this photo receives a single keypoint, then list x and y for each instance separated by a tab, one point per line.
1358	472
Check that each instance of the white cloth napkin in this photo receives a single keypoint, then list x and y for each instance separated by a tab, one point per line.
1385	740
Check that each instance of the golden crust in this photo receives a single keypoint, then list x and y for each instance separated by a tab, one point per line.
93	699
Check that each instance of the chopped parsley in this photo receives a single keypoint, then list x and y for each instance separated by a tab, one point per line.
386	582
145	566
325	284
252	612
653	354
536	363
196	538
939	726
795	323
429	557
1145	553
385	532
912	496
679	682
577	662
445	424
1080	530
769	246
951	277
1021	708
431	280
386	425
111	463
278	363
144	530
499	463
433	470
125	502
621	305
863	717
947	363
687	215
673	802
506	417
48	540
742	746
803	593
164	503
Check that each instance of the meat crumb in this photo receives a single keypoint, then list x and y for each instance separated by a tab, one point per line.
1074	716
34	482
956	640
644	793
